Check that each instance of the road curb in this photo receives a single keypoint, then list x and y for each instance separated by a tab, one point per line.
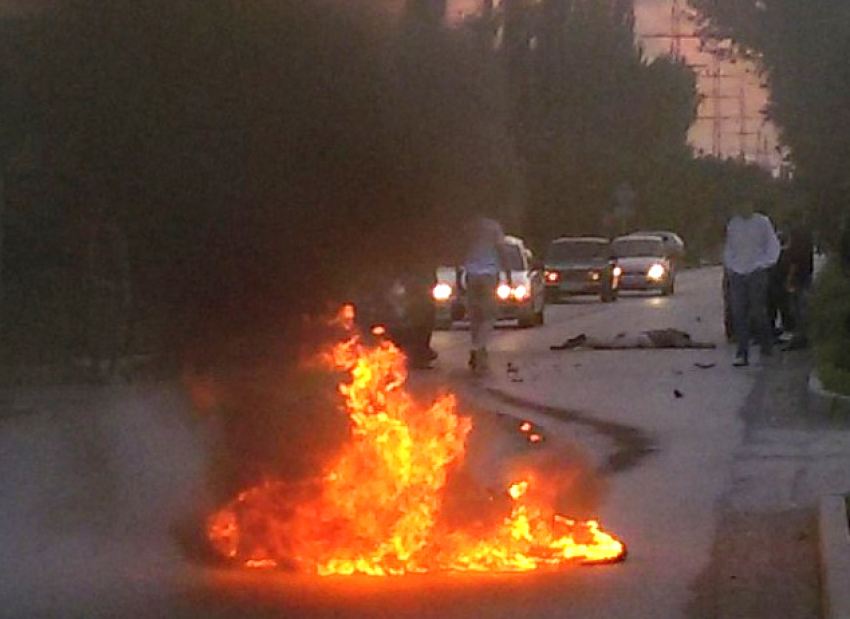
824	401
834	530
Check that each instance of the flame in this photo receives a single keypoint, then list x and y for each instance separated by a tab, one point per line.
376	510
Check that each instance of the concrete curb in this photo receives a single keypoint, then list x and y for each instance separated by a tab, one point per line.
825	401
834	532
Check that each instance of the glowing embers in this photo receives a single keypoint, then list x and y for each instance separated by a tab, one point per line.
377	508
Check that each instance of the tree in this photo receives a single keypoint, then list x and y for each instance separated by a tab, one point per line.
802	49
589	111
260	156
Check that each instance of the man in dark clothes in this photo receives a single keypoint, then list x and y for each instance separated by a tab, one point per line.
779	310
798	281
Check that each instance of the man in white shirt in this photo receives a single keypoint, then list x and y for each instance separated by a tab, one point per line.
485	257
751	249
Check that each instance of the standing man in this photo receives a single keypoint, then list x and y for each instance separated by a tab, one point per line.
486	255
799	280
751	249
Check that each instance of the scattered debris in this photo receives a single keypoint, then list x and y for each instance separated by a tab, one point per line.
704	366
678	393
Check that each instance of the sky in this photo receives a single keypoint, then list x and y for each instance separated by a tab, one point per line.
741	95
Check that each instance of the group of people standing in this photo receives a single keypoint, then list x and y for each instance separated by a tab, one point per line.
763	277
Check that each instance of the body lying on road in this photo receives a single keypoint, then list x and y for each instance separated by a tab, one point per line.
654	338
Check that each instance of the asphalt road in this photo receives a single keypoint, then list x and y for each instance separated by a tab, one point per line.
705	471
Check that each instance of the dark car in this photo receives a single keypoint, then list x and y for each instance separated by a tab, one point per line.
580	265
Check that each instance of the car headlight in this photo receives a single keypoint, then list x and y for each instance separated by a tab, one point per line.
441	292
594	275
520	292
656	271
552	276
503	291
617	271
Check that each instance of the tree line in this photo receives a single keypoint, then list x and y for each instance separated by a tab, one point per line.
196	176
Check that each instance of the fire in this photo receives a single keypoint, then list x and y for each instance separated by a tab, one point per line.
376	510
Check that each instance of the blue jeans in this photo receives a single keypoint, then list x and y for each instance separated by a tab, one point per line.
748	295
481	304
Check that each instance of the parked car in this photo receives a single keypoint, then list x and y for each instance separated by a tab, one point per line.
580	265
645	264
523	301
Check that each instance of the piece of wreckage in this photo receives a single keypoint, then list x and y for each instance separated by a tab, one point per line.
376	510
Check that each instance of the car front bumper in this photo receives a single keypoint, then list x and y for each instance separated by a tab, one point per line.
505	310
640	281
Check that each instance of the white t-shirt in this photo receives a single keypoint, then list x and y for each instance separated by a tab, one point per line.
482	257
751	244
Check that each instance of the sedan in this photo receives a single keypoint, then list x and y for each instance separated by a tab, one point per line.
580	265
645	264
523	300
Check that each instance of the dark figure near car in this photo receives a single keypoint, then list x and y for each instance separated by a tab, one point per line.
414	336
399	300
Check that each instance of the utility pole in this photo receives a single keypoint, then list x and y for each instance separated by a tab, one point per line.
742	123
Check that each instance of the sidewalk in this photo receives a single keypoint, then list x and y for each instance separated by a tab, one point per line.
782	547
833	516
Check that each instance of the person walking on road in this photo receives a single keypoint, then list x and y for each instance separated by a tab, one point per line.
751	249
486	256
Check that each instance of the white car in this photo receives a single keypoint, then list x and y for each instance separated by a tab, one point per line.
673	243
524	300
645	264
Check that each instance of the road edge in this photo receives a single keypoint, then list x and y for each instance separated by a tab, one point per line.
825	401
834	531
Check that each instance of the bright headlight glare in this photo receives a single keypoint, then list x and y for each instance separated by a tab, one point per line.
520	292
617	271
656	271
594	276
442	292
551	276
503	291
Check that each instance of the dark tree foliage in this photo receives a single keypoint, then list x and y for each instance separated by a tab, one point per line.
803	47
590	112
261	158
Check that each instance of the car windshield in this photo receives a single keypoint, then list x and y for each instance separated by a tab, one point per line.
514	256
632	248
576	250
